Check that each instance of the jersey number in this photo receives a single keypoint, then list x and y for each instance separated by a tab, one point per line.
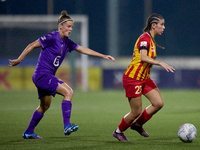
56	61
138	89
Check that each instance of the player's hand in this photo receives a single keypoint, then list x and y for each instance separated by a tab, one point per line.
108	57
13	62
167	67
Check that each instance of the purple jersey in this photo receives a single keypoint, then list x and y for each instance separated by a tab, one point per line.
53	52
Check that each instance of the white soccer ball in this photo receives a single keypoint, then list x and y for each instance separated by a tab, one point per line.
187	132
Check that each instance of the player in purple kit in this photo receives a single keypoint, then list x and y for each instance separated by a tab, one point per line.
55	46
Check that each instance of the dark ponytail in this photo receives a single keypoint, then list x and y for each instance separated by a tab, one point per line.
153	18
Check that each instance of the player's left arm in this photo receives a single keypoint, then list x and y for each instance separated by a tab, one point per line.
145	58
87	51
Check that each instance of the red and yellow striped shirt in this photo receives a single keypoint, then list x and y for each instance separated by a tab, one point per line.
140	70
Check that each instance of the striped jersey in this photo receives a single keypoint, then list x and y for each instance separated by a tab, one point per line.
141	70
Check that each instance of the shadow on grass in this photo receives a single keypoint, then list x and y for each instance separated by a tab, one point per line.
96	143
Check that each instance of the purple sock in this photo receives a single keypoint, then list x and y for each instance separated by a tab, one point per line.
66	111
37	116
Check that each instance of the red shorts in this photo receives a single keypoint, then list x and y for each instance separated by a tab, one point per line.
135	88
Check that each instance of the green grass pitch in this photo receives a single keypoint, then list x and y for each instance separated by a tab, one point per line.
98	115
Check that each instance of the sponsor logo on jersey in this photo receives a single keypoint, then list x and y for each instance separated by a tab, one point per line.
43	38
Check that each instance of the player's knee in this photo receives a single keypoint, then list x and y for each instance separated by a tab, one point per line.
136	113
159	105
69	94
44	108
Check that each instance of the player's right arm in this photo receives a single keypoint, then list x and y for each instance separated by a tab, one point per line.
26	51
147	59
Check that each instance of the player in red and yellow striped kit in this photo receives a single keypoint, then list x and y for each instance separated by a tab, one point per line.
141	70
137	81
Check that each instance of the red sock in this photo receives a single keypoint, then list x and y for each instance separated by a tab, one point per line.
143	118
124	125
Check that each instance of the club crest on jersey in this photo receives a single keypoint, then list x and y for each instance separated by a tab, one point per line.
143	44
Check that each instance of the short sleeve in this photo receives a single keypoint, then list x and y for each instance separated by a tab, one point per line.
144	42
46	40
71	45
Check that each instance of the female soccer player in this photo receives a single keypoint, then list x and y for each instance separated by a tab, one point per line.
137	81
55	46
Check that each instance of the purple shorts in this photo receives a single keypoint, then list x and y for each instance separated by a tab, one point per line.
46	84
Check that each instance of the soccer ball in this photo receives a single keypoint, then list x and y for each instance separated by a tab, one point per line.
187	132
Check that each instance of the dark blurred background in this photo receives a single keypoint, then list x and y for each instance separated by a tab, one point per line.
114	26
180	38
